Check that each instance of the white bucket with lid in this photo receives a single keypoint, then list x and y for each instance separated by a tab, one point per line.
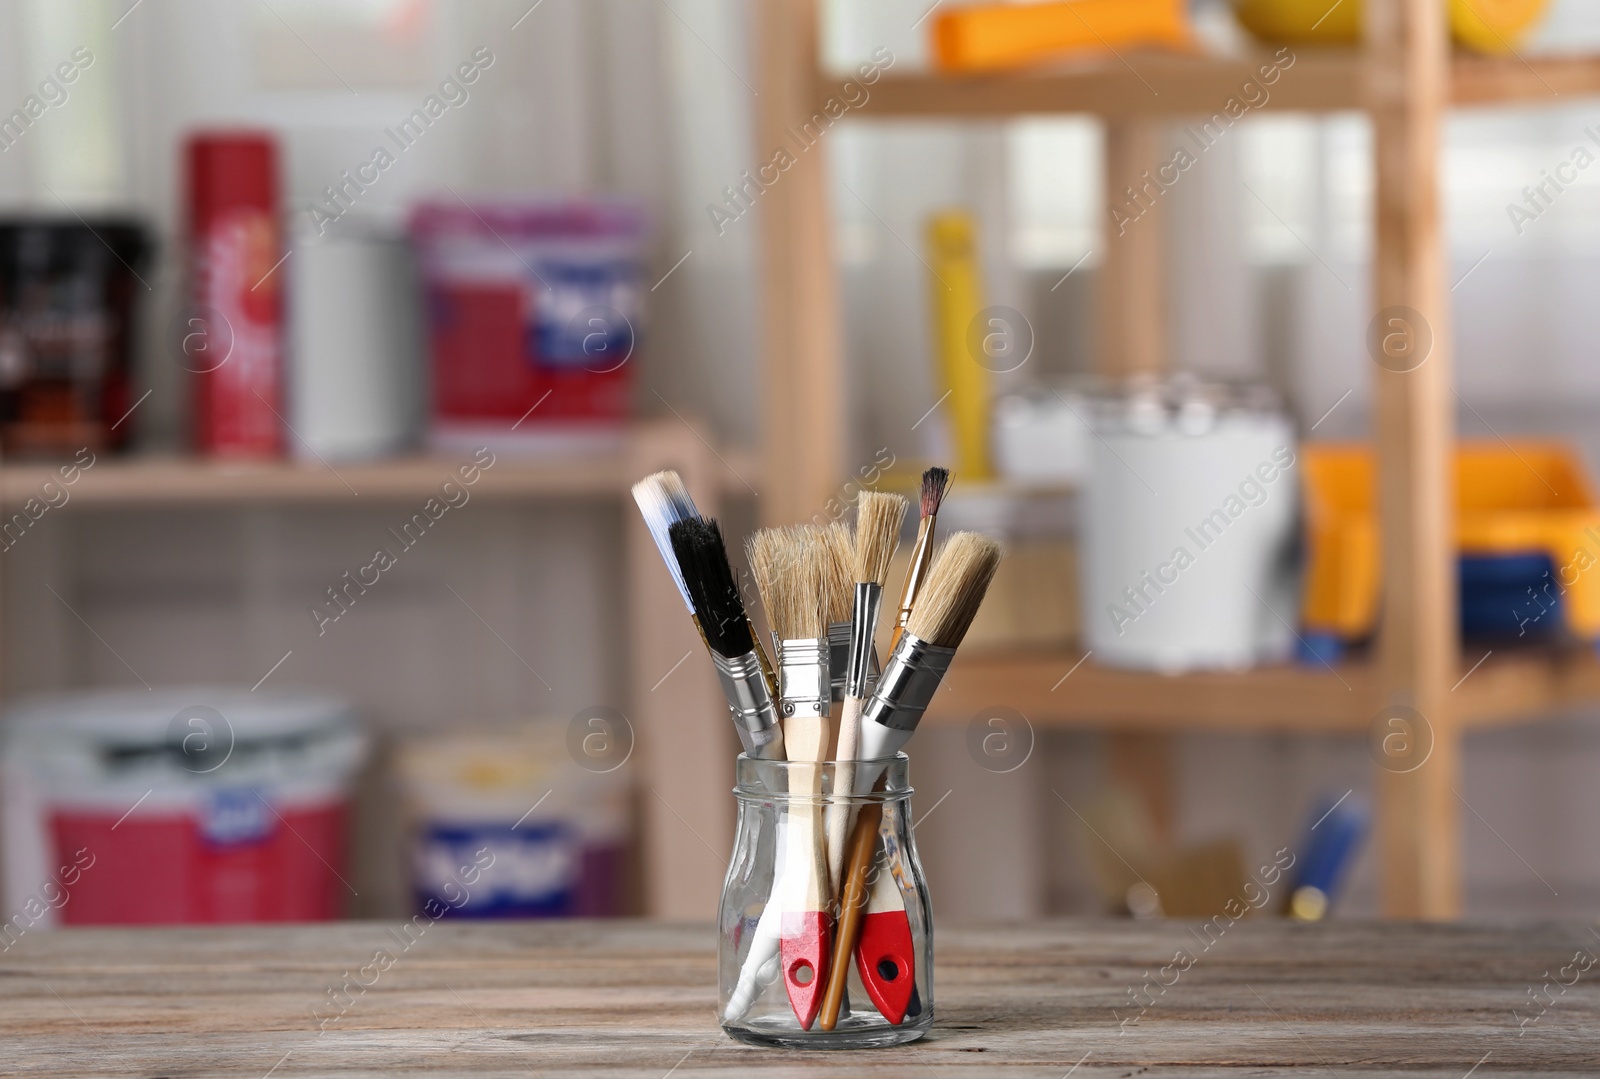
186	805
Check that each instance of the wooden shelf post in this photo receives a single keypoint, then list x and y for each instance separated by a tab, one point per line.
1133	267
1133	341
684	742
804	436
1419	825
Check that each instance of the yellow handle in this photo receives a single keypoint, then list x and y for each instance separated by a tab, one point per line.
957	295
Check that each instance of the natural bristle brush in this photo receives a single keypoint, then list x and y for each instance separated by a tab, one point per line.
878	520
791	570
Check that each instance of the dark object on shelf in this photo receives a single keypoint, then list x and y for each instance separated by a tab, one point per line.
69	299
1510	596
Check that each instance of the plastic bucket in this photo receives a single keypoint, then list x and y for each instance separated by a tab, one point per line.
178	806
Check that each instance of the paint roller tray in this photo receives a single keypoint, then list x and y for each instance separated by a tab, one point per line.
1527	529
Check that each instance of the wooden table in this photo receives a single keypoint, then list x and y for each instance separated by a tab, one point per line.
636	999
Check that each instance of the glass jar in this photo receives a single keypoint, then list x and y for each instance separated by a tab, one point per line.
781	912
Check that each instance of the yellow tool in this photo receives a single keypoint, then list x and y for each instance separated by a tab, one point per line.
966	354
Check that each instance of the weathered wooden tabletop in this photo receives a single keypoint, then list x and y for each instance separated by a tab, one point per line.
635	999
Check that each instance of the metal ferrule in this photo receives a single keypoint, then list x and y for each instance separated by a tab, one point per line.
838	657
803	679
862	659
755	716
908	683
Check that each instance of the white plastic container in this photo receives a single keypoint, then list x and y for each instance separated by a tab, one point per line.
178	806
356	339
1041	437
1188	529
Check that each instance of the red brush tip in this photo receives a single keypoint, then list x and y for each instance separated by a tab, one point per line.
884	961
804	947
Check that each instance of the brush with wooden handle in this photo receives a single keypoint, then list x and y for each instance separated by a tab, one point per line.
935	482
946	605
790	567
878	520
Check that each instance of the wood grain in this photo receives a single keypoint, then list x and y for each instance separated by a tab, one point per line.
1419	817
802	344
1149	85
132	482
635	999
685	743
1506	689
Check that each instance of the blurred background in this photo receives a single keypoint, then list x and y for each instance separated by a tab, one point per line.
332	333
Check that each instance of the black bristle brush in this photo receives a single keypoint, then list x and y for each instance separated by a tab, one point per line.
702	560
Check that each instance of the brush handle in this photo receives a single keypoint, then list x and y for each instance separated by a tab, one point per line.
803	933
921	559
840	812
877	744
806	739
852	907
760	965
886	957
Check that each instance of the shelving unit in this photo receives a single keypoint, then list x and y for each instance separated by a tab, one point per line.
675	734
1505	690
1405	78
186	481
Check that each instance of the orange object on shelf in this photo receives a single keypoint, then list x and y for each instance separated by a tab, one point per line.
999	37
1525	497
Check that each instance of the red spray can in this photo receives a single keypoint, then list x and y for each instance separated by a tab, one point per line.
233	339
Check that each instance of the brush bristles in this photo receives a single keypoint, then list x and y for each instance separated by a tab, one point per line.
838	578
789	566
713	593
663	499
878	520
935	481
949	601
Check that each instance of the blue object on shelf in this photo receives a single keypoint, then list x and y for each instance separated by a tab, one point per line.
1503	597
1317	647
1513	595
1328	851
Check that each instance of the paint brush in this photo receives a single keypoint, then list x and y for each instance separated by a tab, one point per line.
791	571
878	520
840	548
935	482
946	605
663	500
702	560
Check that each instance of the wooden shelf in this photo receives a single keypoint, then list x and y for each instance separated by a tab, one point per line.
134	482
1506	689
1321	80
